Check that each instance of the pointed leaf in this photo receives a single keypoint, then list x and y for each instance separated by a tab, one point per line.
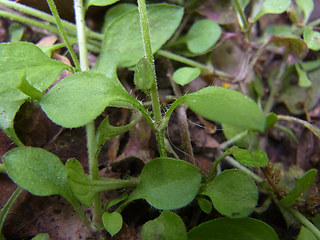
258	158
36	170
144	74
185	75
163	20
303	183
112	222
80	98
202	35
167	183
19	58
228	228
233	193
227	106
167	226
303	77
272	7
84	188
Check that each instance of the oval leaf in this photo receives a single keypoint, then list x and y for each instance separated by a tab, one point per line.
233	193
167	183
228	228
100	2
185	75
36	170
112	222
258	158
312	38
227	106
202	35
124	33
144	74
80	98
273	7
167	226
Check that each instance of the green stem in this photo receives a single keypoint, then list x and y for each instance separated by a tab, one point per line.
29	21
154	89
214	165
63	33
312	128
6	208
275	88
2	168
233	139
314	23
47	17
304	221
242	16
90	128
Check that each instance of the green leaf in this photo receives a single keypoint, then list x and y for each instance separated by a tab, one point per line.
80	98
8	111
16	32
293	45
228	228
307	7
99	2
312	38
106	131
227	106
185	75
84	188
115	12
303	77
306	234
271	120
124	32
303	183
37	171
204	204
144	74
258	158
241	136
41	236
167	183
21	58
272	7
233	193
168	226
202	35
112	222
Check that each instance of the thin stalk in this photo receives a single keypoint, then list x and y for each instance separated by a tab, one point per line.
304	221
47	17
29	21
6	208
242	16
90	128
233	140
214	165
63	33
275	88
144	24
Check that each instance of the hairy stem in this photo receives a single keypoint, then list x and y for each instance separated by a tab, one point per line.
63	32
90	128
144	24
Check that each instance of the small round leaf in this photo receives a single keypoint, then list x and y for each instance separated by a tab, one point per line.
167	183
167	226
202	35
233	193
112	222
312	38
257	158
185	75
